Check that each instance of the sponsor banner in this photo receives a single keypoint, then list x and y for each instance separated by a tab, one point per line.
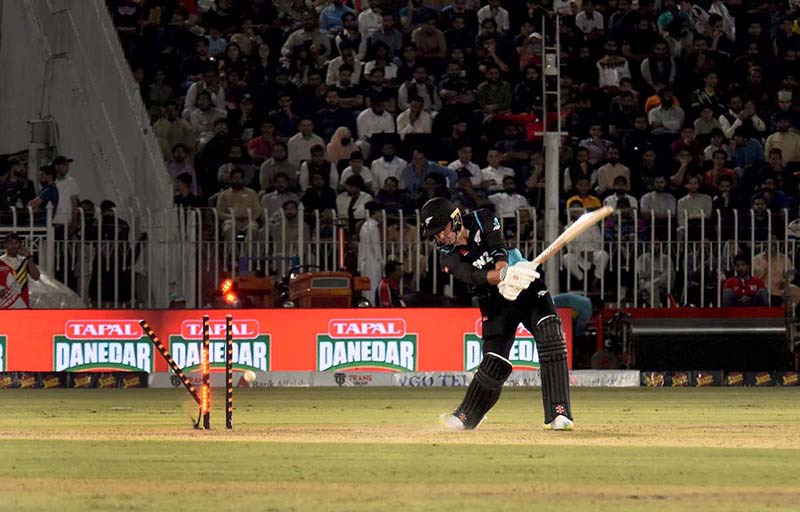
788	378
654	379
680	379
707	378
734	379
6	380
759	379
578	378
270	340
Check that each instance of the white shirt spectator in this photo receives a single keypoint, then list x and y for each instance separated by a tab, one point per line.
728	128
273	201
365	173
490	173
300	147
663	204
708	152
332	76
217	98
425	91
472	167
389	72
500	17
506	205
610	76
589	25
423	123
368	22
613	198
343	203
67	189
304	180
666	120
369	123
381	169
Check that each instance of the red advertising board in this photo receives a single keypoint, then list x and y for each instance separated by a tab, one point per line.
264	339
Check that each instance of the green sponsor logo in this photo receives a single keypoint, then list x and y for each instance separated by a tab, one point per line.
523	353
247	354
81	355
396	354
2	353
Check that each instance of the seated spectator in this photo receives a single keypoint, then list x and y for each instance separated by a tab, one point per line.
239	208
784	139
658	203
180	165
184	197
211	85
579	168
688	141
351	96
273	201
607	174
357	168
203	117
724	204
430	42
318	164
740	114
622	227
492	175
666	118
583	198
659	69
705	123
465	162
693	207
744	289
388	166
718	170
372	121
718	143
308	38
388	293
394	199
612	68
648	168
350	204
494	95
621	190
277	164
347	57
383	60
707	96
467	197
596	144
656	273
434	186
340	147
493	10
300	144
686	167
284	117
746	151
260	148
776	199
286	222
319	196
589	21
172	130
334	117
507	202
415	119
417	171
236	160
586	254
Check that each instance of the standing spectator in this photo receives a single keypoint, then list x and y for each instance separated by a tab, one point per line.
389	166
239	208
370	255
299	146
48	196
744	289
66	215
388	293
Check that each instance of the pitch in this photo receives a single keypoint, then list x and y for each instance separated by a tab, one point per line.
381	449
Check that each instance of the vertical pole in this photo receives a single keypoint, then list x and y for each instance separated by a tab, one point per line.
551	77
205	394
228	371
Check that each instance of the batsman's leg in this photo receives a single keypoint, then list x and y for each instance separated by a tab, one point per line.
482	393
553	369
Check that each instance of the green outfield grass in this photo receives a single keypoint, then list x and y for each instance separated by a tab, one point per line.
382	449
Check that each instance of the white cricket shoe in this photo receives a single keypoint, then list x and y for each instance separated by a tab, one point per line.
560	422
451	422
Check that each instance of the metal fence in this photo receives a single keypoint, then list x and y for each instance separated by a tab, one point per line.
123	258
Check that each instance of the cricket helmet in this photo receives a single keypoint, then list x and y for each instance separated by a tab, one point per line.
436	214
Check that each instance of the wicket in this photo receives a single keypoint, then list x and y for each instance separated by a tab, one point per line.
203	398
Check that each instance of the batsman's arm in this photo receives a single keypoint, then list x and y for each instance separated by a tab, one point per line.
467	273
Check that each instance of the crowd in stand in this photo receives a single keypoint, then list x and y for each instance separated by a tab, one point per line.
680	111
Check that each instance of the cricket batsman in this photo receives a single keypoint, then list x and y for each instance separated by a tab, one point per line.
509	292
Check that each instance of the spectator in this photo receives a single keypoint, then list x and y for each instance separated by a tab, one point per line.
184	197
372	121
788	142
586	254
350	204
22	265
724	204
707	96
388	293
370	255
308	38
260	148
740	114
387	34
172	130
689	142
319	196
596	144
693	207
203	119
66	215
388	166
287	225
659	69
334	118
492	175
238	207
414	14
357	168
236	160
330	19
415	119
507	202
211	85
656	273
278	164
666	118
608	173
579	168
420	87
318	164
430	42
48	196
612	68
284	117
706	122
434	186
658	202
347	57
274	201
465	162
420	168
493	10
179	165
718	170
494	95
621	189
746	151
583	199
467	197
299	146
718	143
159	93
589	21
351	37
393	199
744	289
383	60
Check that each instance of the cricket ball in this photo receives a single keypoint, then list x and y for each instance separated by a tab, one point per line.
249	375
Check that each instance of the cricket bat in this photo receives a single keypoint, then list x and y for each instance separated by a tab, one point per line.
571	233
